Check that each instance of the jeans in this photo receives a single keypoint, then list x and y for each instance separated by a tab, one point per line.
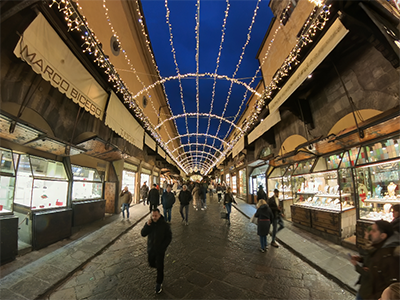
167	214
228	207
219	197
263	241
156	260
277	220
204	201
186	207
125	206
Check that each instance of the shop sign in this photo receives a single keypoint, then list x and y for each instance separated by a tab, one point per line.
42	48
161	152
238	147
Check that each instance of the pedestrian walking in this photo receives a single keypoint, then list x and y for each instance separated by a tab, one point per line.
165	184
168	200
125	199
265	216
396	217
380	266
203	195
185	196
273	203
228	200
261	194
154	197
219	192
159	236
144	190
197	202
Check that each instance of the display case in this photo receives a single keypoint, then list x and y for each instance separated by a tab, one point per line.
324	199
234	184
7	181
87	184
40	183
281	179
242	183
378	178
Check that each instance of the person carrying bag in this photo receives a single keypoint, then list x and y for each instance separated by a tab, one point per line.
265	217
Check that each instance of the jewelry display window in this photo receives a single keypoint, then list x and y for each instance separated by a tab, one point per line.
40	183
329	187
242	182
281	179
378	180
87	184
7	181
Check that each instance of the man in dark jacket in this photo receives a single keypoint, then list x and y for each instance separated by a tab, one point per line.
154	197
396	218
273	203
168	200
261	194
184	198
159	237
381	265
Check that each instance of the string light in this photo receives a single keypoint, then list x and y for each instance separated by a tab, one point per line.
199	134
197	31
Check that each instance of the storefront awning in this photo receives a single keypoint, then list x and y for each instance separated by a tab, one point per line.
42	48
325	46
238	147
150	142
161	152
264	126
260	170
120	120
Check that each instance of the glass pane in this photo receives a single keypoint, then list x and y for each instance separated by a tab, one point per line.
49	194
378	190
48	168
234	186
362	157
83	173
129	180
242	182
6	194
333	161
303	167
6	161
82	190
383	150
353	156
23	186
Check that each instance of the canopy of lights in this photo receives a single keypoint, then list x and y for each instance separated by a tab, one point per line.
207	67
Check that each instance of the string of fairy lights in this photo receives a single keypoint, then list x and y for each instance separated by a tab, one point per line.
193	160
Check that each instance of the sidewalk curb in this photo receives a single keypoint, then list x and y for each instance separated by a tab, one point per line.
312	264
71	273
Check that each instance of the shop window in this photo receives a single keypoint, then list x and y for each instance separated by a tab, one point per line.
303	167
6	163
87	184
7	180
385	149
40	183
129	180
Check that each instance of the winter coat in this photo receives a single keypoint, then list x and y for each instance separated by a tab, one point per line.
159	236
265	218
185	197
126	197
228	198
396	224
261	195
383	265
202	192
196	196
154	197
274	207
168	200
144	190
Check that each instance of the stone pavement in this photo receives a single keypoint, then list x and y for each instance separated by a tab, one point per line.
36	278
206	260
330	259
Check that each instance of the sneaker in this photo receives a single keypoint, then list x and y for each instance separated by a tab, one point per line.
202	208
262	250
197	209
275	244
158	288
187	223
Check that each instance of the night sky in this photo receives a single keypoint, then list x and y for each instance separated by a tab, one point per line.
183	22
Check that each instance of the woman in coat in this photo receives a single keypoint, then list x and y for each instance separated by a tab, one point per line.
228	199
197	202
265	217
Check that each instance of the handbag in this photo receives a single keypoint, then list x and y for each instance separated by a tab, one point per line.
254	219
224	214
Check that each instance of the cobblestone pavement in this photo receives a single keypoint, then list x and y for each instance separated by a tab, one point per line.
206	260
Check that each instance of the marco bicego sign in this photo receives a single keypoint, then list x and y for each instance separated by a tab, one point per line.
42	48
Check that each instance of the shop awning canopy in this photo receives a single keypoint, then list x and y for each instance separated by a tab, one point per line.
262	170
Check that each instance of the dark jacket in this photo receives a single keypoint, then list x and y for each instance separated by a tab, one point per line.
396	224
168	200
265	217
274	207
261	195
202	191
159	236
228	198
154	197
383	265
185	197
